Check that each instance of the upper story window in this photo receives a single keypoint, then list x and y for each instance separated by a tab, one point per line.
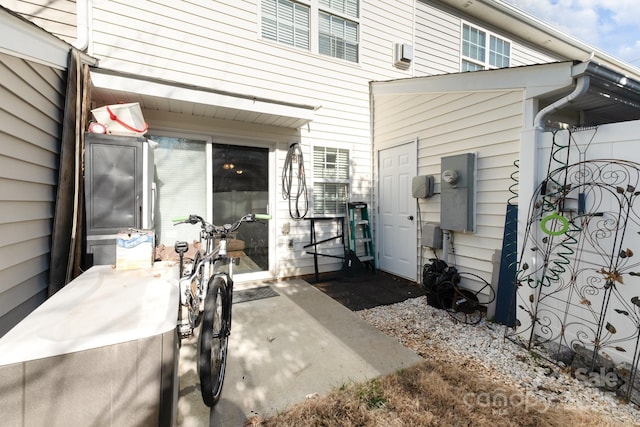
328	27
482	50
286	22
338	31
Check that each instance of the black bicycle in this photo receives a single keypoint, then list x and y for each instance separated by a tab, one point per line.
206	296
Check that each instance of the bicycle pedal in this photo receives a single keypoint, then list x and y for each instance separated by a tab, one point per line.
184	330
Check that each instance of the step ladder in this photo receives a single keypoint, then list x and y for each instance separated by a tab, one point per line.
360	240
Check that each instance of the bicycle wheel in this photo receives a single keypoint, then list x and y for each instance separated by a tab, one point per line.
213	341
195	316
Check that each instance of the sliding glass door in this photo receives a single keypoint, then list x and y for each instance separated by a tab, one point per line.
241	186
220	182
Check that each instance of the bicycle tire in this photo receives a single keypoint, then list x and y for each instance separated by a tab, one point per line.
213	342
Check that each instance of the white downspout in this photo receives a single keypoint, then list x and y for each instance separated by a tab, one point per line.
582	86
82	25
528	176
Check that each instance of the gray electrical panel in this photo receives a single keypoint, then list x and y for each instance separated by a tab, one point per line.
458	192
431	235
422	186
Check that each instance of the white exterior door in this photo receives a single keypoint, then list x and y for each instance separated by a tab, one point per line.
396	224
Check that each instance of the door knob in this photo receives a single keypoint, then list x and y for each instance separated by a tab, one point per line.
410	217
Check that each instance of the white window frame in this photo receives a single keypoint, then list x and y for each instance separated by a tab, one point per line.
278	39
315	9
484	63
323	180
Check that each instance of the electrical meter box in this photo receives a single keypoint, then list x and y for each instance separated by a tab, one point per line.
458	192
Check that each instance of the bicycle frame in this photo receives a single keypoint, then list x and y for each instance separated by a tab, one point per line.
207	294
209	261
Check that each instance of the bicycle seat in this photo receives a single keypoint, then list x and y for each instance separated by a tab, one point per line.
181	247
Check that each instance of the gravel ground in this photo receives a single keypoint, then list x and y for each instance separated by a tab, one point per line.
433	333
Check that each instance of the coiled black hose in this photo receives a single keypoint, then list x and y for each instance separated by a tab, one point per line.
294	184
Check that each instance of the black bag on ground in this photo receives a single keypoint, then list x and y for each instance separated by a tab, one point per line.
352	268
440	281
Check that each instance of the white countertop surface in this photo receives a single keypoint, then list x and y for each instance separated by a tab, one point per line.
101	307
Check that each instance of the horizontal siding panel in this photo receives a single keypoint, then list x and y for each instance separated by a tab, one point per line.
26	171
487	123
15	254
29	117
522	55
28	269
383	25
11	234
437	41
11	211
20	312
20	147
56	16
21	191
18	295
29	89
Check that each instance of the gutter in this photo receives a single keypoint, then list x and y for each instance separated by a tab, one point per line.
582	87
82	25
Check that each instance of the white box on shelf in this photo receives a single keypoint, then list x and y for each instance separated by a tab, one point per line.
134	249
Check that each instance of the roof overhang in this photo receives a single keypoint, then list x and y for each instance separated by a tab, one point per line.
611	96
110	87
24	39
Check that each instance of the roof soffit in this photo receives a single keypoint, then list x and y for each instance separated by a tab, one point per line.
111	87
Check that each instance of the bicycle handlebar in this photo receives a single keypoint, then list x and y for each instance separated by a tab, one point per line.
227	228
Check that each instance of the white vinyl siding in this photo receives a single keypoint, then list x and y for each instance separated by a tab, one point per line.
31	103
437	41
438	45
56	16
487	123
219	46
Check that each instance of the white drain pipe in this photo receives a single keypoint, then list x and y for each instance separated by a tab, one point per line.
445	246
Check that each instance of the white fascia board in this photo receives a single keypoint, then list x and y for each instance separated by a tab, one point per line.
536	80
187	94
28	41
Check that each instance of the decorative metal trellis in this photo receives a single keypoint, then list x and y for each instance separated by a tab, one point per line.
577	276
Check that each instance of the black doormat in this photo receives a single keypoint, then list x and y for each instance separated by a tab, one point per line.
253	294
371	290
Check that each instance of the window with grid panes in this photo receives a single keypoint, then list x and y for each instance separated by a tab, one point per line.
338	29
331	180
289	22
482	50
286	22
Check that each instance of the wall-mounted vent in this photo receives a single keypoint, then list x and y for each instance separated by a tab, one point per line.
403	54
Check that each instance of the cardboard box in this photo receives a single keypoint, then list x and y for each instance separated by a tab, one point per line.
134	249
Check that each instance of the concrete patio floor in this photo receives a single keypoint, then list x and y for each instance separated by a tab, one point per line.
282	349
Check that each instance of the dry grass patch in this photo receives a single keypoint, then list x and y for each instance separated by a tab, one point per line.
433	393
